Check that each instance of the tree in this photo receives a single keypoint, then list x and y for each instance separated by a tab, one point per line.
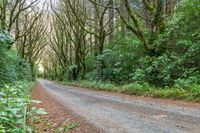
11	11
70	45
111	18
100	27
156	10
30	36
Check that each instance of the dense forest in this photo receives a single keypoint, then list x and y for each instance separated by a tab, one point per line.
141	43
153	42
141	47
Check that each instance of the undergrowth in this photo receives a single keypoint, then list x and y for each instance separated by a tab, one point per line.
14	108
191	93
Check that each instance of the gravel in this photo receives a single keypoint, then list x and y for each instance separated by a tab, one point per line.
124	114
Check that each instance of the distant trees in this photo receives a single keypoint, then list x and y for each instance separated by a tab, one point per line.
100	25
79	28
32	37
69	40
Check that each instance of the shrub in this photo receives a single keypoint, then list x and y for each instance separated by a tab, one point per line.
14	101
14	97
195	91
12	67
176	59
135	88
120	60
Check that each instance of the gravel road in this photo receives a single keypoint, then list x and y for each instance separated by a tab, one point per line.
115	113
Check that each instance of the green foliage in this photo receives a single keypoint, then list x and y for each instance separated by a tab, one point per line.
67	128
71	72
98	85
195	91
120	60
13	107
5	38
179	47
135	88
15	77
143	89
12	68
168	68
176	58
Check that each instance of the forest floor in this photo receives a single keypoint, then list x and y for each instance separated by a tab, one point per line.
98	111
59	118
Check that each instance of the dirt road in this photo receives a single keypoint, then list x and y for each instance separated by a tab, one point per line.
116	113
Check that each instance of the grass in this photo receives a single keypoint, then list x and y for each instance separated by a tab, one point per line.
67	128
191	93
39	122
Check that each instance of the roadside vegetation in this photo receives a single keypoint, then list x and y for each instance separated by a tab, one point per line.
15	85
17	58
191	93
141	47
146	48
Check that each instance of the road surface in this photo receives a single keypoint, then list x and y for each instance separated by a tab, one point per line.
116	113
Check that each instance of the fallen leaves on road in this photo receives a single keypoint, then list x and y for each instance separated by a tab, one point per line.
59	119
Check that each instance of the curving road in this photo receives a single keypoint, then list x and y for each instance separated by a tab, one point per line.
116	113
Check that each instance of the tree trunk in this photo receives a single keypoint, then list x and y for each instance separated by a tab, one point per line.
3	14
32	70
170	7
123	27
111	19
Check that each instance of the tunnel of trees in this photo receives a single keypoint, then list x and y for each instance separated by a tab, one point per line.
154	43
123	41
120	41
